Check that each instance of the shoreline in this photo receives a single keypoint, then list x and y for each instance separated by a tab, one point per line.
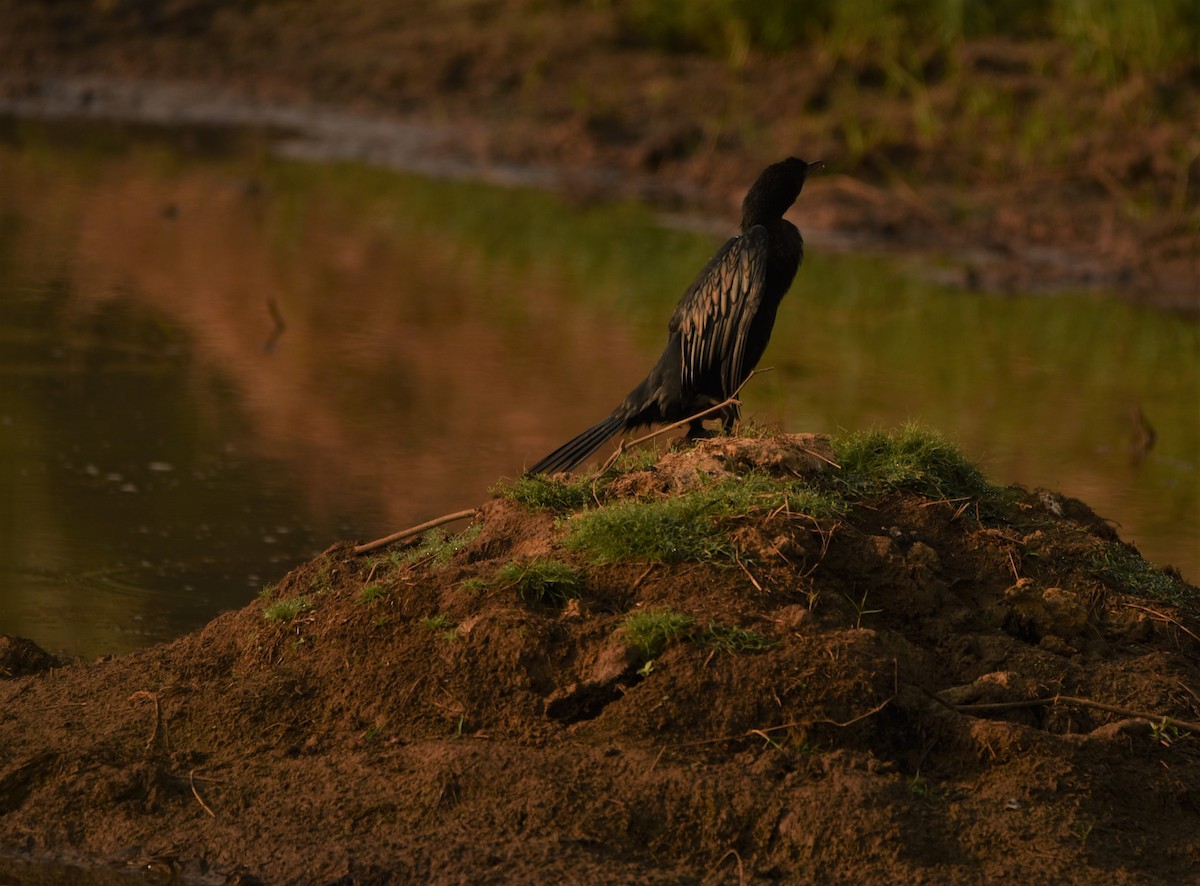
324	133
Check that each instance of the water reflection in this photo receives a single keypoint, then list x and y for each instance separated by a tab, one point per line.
171	447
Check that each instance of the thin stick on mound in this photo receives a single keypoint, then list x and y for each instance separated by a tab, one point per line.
158	720
415	530
728	401
762	733
1163	617
196	794
1079	702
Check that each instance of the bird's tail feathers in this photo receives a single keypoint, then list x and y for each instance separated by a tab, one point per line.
578	448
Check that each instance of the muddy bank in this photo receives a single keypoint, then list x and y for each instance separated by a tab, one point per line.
805	672
1021	170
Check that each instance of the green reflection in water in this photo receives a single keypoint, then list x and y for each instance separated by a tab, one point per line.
125	489
1041	389
440	335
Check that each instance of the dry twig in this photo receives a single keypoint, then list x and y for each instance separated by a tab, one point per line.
196	794
415	530
741	870
641	578
749	574
153	696
762	733
1162	616
829	461
1082	703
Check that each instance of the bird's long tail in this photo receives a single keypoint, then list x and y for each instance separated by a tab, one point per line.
574	451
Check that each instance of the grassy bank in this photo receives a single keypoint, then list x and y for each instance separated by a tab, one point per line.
1113	38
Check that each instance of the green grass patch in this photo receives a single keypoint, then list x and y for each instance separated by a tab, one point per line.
437	547
653	630
732	639
671	530
267	592
323	580
542	582
386	560
692	526
1122	568
372	592
286	610
542	493
441	625
910	459
565	494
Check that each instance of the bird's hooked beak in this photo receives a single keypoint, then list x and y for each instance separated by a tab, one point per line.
815	166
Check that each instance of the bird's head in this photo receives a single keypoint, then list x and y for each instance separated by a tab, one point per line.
775	190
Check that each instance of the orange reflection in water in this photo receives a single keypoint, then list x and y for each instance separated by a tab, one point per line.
407	376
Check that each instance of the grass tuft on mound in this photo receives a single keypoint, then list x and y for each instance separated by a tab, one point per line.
542	582
909	459
691	526
563	494
1122	567
286	610
368	594
732	639
541	493
671	530
438	547
653	630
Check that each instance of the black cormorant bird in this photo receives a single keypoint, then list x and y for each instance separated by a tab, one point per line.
720	327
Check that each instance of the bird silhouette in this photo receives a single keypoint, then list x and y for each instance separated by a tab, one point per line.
720	327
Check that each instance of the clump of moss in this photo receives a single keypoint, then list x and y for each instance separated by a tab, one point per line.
323	580
542	582
563	494
440	624
372	592
668	530
437	547
286	610
541	493
651	631
692	526
911	459
732	639
1120	566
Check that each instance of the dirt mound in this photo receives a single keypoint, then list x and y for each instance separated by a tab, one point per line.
810	669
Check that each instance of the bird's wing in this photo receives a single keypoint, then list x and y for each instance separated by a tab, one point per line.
713	317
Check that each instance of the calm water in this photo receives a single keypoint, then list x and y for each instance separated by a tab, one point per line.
167	448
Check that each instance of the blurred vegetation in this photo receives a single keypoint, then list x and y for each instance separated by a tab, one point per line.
1110	37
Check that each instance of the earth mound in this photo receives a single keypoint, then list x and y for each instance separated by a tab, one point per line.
761	658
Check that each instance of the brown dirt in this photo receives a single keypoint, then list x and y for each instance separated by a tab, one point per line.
1061	180
361	743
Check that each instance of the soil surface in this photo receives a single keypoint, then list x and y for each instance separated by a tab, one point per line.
919	690
1003	157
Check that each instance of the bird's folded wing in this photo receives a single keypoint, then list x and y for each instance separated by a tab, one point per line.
713	318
